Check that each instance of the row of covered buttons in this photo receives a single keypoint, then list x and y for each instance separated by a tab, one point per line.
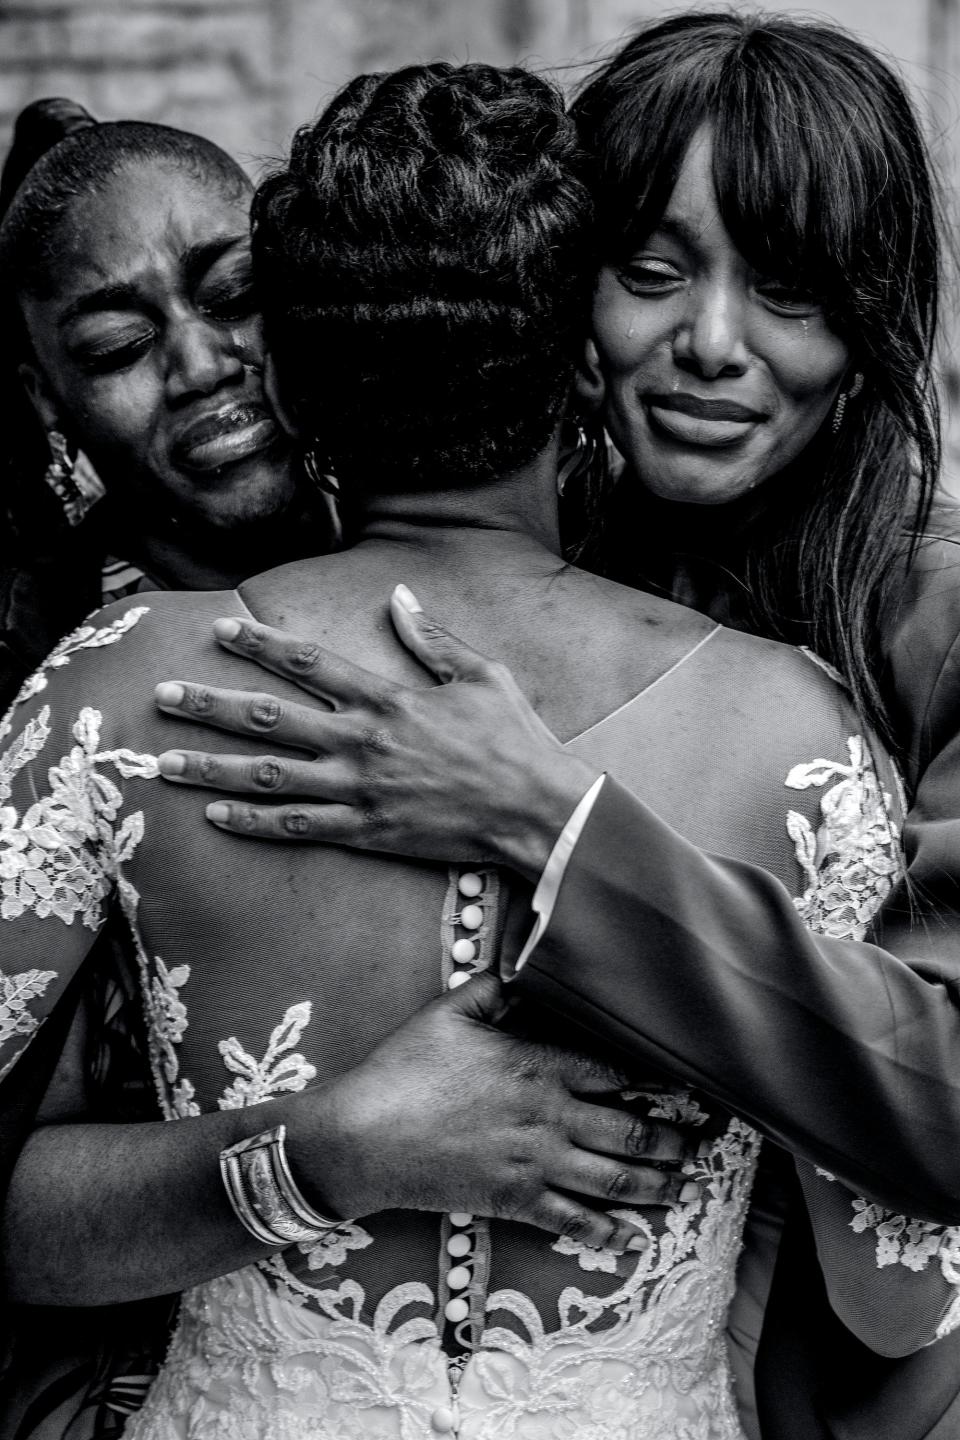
463	952
470	917
445	1418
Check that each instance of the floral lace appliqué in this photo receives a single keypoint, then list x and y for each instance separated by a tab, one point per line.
87	637
60	858
851	859
277	1073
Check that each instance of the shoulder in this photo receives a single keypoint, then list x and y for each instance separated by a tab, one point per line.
107	662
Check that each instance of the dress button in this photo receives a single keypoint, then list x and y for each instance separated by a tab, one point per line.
470	885
471	917
458	978
458	1246
460	1218
458	1278
463	951
456	1310
442	1420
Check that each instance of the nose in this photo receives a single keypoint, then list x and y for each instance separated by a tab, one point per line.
200	358
710	339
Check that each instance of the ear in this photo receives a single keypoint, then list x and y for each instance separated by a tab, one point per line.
588	381
40	395
272	391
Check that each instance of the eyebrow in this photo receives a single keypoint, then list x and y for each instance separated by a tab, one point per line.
678	228
197	260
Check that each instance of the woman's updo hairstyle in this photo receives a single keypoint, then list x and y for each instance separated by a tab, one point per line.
60	154
425	270
824	183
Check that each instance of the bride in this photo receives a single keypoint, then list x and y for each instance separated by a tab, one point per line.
425	262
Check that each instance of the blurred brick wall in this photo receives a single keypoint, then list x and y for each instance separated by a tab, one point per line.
216	66
246	71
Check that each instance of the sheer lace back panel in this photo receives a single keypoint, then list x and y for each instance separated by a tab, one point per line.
265	968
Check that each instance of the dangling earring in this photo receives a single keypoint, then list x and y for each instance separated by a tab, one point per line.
324	480
577	460
842	399
73	480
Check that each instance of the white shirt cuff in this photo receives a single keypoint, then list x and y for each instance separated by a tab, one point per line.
545	895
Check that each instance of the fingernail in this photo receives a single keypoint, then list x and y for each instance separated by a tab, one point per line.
168	693
408	600
638	1242
172	762
218	812
226	629
690	1191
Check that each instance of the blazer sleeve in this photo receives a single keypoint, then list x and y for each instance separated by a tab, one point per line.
846	1053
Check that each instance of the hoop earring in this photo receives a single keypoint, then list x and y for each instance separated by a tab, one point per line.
842	399
578	461
324	480
72	479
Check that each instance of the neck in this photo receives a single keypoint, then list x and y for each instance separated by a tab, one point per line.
516	511
185	554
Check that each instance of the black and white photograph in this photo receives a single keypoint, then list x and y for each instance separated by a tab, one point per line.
480	755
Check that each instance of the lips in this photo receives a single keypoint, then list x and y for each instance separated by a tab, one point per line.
224	437
691	420
701	409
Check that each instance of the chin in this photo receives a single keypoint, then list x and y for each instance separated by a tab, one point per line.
700	489
249	501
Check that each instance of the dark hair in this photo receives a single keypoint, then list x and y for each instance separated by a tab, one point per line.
823	181
424	264
59	154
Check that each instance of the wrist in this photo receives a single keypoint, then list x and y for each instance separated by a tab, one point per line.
320	1149
533	828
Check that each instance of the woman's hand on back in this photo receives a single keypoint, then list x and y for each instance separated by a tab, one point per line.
464	771
451	1113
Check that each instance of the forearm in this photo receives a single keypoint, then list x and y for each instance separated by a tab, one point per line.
842	1052
97	1214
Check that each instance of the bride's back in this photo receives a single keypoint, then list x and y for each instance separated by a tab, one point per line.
425	261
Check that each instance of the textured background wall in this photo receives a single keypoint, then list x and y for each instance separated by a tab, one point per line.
245	71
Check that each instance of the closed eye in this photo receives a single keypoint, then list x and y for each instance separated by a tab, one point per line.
648	275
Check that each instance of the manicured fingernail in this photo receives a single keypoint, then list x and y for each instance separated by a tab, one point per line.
172	762
408	600
638	1242
690	1191
218	812
168	693
226	629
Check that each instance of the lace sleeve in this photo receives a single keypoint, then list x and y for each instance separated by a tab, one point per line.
893	1281
63	837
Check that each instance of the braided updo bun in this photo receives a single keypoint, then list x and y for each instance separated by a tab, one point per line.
424	266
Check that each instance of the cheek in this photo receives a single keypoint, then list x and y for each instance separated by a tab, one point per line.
809	367
624	329
113	417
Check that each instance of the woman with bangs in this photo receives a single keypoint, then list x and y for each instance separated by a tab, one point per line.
761	355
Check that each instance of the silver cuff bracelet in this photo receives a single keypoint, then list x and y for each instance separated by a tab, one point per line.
264	1195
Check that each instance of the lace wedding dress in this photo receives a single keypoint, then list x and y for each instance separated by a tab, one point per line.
257	981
